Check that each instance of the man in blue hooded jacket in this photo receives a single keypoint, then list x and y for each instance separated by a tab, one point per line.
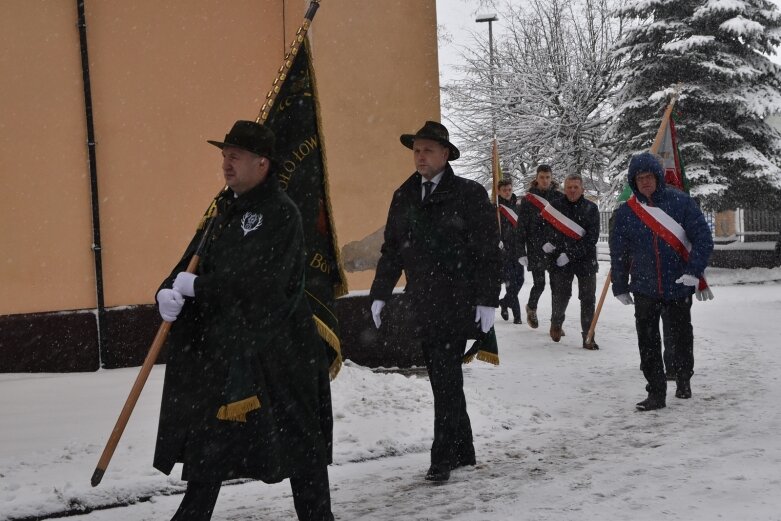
659	249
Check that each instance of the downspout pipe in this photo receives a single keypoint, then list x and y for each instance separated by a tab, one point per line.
93	175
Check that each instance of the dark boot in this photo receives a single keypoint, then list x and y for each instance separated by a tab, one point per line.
531	317
517	320
593	346
684	389
556	333
503	312
438	472
651	403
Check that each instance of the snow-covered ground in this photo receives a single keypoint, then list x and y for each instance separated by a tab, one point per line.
556	432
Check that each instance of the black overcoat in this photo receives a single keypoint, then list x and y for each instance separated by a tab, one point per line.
582	253
448	248
249	325
531	227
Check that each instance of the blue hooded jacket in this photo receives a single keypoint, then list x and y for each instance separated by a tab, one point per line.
640	260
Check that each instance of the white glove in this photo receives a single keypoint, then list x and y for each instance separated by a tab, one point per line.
169	304
524	261
548	247
377	306
625	299
485	315
562	260
501	245
688	280
184	283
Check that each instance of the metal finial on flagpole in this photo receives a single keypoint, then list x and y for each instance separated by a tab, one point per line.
287	63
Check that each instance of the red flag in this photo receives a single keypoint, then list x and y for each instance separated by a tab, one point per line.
671	159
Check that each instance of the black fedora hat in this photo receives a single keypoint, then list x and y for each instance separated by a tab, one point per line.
250	136
434	131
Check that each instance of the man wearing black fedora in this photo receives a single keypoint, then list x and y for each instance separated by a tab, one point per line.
442	233
246	392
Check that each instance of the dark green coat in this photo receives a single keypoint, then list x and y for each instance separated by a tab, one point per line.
249	326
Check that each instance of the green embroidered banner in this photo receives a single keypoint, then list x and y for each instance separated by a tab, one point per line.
303	174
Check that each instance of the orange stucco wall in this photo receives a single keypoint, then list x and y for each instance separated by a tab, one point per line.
165	77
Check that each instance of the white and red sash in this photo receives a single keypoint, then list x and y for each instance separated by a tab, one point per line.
509	213
669	230
555	218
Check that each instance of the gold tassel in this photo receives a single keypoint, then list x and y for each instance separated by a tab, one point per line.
485	356
332	340
237	411
210	212
468	358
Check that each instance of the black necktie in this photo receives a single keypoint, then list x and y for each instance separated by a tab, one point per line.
428	186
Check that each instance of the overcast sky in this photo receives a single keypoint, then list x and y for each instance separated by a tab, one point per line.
456	20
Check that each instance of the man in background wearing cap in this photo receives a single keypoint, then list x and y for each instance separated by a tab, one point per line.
659	248
442	232
246	391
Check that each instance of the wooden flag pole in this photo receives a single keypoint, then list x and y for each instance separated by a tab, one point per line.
146	368
165	327
495	176
654	149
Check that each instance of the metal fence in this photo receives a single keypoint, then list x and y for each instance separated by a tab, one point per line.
750	225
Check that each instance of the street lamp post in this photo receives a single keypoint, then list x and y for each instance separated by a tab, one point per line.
490	18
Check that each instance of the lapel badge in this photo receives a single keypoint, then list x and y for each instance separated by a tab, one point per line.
251	222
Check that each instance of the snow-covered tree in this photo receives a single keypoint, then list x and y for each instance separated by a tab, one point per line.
547	94
717	50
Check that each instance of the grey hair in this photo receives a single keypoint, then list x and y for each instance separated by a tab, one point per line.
574	177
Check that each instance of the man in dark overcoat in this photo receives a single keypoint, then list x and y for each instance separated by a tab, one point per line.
246	392
442	233
572	244
532	233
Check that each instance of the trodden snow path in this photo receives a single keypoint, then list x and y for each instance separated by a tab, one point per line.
556	433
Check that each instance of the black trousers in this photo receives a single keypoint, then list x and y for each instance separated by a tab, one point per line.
452	429
538	279
311	497
648	312
561	291
513	282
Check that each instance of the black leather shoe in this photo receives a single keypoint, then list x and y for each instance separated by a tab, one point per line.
517	320
503	313
592	346
531	317
463	462
651	404
684	389
438	472
556	333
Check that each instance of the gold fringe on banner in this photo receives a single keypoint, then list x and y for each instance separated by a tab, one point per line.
210	212
485	356
330	337
237	411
